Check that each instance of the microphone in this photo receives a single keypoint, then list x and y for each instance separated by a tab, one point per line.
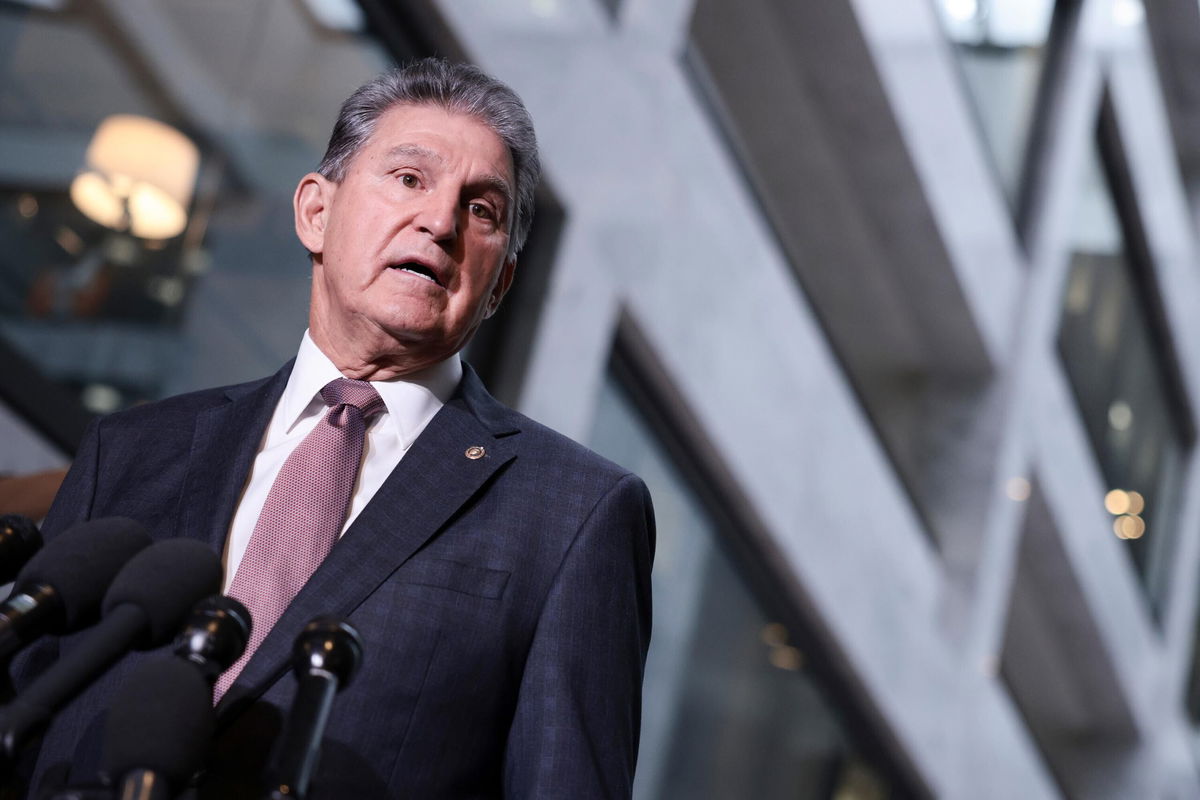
148	600
214	636
158	730
162	719
60	589
325	657
19	540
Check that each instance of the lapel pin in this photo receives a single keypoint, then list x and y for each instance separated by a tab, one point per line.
475	452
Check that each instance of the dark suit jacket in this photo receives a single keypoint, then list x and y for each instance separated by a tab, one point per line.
504	601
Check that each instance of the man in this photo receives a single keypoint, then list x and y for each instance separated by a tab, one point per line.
498	572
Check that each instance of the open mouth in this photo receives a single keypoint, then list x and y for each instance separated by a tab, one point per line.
418	269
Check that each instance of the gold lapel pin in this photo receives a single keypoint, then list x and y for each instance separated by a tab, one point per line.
475	452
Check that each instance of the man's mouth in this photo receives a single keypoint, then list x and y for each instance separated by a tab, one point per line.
417	268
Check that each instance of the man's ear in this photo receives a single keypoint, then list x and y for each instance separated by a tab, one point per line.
311	204
503	282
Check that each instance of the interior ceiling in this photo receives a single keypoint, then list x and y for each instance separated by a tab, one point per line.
216	68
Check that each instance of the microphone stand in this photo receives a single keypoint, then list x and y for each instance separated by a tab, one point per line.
325	657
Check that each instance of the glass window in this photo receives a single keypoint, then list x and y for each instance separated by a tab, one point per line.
1114	360
1192	700
731	707
148	155
1002	47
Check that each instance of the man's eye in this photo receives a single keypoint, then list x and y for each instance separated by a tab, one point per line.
409	180
482	211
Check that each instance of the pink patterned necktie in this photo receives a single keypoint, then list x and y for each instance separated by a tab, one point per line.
303	513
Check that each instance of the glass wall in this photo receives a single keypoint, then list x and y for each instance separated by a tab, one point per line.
731	706
1003	47
148	154
1115	362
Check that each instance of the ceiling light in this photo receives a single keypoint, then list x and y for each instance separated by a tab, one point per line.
138	175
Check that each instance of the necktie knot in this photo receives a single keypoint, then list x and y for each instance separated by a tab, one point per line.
359	394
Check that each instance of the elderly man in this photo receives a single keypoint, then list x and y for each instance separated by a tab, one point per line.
497	571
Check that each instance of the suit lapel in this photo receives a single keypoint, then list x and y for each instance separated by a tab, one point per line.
216	474
431	483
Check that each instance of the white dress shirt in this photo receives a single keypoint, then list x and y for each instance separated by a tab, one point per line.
410	403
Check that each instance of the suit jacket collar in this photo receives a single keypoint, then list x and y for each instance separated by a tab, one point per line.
436	477
224	445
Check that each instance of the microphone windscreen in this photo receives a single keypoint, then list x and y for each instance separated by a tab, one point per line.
165	580
162	719
80	563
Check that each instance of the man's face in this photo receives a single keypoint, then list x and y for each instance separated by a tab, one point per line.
409	249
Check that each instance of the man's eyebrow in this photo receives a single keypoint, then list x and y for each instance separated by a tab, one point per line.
414	151
494	183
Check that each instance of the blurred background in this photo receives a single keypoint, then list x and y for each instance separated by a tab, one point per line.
895	304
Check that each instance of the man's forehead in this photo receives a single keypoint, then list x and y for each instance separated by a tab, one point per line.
402	117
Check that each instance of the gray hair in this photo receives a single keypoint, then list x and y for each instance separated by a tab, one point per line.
461	88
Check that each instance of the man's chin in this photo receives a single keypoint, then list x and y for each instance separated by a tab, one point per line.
411	344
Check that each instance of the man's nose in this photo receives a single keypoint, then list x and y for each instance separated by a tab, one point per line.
438	217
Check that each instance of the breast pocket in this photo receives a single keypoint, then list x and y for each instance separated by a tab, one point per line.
453	576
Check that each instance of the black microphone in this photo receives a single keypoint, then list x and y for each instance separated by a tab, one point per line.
215	635
147	602
19	540
161	721
61	587
158	730
325	657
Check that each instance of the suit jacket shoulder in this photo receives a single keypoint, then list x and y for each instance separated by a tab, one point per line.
184	407
555	456
144	459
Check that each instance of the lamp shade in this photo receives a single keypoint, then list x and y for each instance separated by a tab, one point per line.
138	175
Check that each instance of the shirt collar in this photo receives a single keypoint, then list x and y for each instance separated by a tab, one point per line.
411	401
